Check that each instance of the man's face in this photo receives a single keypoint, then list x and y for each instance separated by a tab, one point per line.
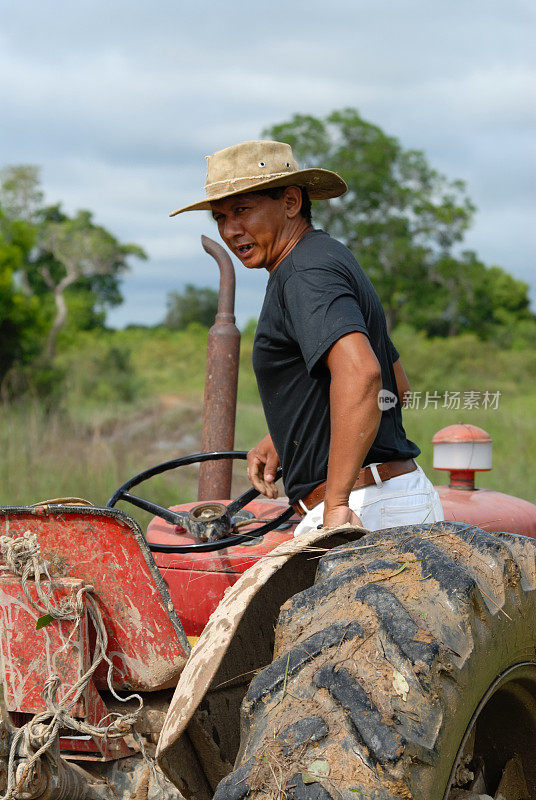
254	228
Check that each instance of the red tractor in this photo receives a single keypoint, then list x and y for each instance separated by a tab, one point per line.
337	664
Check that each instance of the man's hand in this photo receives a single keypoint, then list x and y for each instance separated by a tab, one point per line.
340	515
263	462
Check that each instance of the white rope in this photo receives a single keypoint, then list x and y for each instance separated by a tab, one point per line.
22	556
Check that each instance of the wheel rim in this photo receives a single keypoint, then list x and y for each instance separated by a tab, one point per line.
502	727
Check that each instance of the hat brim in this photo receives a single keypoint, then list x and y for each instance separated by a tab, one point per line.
321	184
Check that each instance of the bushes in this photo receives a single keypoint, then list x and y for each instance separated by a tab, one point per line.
126	399
98	374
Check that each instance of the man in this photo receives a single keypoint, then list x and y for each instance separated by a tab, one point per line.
322	356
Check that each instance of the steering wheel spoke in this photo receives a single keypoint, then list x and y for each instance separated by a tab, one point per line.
174	517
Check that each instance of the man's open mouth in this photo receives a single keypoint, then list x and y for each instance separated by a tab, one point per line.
244	248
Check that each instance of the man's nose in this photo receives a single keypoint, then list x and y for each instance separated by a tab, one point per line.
232	227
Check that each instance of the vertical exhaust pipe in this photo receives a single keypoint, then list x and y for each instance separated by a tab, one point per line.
221	382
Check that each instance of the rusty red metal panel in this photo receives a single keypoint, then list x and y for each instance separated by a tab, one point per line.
105	548
197	581
81	746
198	594
490	510
29	656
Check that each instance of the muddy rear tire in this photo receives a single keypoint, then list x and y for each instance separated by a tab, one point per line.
410	640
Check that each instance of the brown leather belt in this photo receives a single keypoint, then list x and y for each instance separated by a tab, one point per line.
387	470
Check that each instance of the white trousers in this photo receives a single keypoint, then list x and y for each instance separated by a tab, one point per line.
408	499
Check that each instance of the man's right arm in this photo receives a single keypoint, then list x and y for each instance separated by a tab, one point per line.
263	462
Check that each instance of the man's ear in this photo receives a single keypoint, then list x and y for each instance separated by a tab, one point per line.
293	201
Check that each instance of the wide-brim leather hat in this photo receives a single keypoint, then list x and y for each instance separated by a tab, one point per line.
250	166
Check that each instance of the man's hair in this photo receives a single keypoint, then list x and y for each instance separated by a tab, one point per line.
277	193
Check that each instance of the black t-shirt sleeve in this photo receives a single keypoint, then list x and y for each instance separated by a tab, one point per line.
321	306
395	355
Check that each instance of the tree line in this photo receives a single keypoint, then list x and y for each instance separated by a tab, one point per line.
405	222
58	273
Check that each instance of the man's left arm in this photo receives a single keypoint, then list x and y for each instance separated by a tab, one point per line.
355	418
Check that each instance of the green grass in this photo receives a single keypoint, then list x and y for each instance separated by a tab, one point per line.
467	364
134	398
514	443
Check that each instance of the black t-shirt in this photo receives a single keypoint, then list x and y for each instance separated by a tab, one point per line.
317	294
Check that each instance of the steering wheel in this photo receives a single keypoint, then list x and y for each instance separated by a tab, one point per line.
213	520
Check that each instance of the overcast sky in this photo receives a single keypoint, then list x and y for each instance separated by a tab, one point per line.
119	102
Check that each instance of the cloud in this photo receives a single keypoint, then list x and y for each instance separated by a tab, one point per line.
120	102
